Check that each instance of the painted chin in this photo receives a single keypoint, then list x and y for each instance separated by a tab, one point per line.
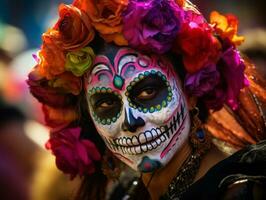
164	137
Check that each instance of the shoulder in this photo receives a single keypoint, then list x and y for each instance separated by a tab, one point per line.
239	176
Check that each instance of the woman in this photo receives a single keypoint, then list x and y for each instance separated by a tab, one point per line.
141	81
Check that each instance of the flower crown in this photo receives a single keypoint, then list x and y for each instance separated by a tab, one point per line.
214	67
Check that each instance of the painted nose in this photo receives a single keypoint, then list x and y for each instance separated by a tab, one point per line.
131	123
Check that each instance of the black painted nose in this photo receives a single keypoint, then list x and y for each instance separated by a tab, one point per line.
131	123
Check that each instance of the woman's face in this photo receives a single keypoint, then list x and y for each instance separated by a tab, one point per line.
138	107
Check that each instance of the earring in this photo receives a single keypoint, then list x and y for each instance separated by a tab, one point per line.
111	166
199	140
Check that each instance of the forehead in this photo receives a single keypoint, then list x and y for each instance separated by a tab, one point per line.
115	67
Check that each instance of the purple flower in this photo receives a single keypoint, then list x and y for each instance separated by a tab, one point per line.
221	83
216	98
152	25
73	155
231	67
203	81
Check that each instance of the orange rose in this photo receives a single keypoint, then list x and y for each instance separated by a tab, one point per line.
106	17
226	27
51	59
59	118
73	30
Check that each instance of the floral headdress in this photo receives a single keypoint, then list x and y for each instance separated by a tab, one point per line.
214	67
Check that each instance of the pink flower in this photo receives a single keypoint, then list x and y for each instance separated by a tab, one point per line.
191	16
232	68
73	155
232	79
152	25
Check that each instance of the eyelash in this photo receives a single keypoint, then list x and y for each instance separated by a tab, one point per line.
146	89
98	103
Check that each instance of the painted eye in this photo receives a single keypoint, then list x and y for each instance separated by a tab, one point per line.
147	94
105	104
150	92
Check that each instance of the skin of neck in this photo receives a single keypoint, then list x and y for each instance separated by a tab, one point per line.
157	182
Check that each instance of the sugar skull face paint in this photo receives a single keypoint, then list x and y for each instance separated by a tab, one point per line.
138	108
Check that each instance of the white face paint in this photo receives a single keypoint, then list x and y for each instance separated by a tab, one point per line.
138	108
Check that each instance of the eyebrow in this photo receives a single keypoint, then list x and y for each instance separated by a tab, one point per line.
99	67
123	61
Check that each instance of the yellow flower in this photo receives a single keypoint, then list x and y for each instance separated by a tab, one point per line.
227	27
67	83
78	62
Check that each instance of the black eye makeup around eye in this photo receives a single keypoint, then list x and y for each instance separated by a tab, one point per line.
149	92
106	105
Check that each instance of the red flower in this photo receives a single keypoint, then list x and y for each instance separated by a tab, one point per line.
73	155
47	94
198	47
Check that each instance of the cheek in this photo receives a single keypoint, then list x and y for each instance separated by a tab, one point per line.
109	131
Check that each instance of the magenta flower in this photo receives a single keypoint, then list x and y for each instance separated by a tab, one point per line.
203	81
152	25
232	67
221	83
73	155
190	16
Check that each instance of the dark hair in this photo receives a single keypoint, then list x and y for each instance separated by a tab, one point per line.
92	186
177	62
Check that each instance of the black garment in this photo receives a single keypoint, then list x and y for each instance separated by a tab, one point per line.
241	176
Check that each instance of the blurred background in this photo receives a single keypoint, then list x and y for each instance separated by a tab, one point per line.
27	171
